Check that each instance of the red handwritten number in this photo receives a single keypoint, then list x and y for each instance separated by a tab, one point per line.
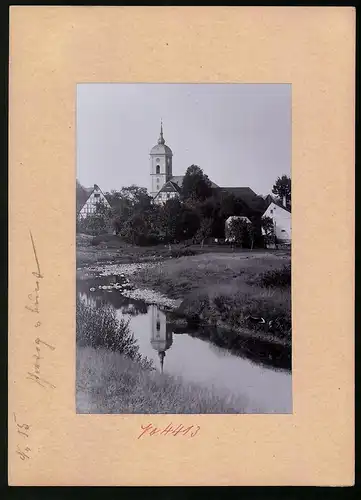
180	429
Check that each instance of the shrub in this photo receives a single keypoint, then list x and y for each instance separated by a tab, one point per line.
242	310
99	327
280	278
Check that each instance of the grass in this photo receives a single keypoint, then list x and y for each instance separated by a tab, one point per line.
276	278
109	382
110	248
105	248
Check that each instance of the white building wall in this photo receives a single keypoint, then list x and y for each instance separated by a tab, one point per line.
89	207
165	171
163	197
282	220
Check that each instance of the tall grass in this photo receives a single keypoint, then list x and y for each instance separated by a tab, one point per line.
108	382
276	278
100	328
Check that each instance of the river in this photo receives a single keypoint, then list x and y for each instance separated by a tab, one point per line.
257	372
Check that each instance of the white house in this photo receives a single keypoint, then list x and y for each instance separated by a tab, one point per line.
281	216
92	196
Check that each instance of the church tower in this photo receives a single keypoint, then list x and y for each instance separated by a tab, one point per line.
160	164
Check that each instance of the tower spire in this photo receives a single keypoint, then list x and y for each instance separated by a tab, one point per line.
161	138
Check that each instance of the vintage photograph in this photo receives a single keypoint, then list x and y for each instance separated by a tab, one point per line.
183	248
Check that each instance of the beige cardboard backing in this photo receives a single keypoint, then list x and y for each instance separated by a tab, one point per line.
54	48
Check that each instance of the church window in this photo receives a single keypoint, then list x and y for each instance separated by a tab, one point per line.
157	179
158	325
157	169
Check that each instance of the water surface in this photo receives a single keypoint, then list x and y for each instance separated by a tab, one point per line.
256	373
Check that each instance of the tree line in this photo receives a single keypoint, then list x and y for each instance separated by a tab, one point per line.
199	212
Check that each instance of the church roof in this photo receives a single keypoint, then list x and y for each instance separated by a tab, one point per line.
161	149
178	179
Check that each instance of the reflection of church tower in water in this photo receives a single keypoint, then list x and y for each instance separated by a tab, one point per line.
161	336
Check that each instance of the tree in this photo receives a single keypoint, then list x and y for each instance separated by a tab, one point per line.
126	202
188	224
98	222
169	219
254	230
238	231
282	189
268	230
196	184
204	231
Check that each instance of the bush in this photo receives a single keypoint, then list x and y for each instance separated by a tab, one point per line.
242	311
280	278
100	328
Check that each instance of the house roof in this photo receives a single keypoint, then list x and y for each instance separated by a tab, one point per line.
169	187
242	217
269	199
84	194
248	196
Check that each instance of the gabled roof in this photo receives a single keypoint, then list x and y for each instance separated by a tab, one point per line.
270	199
169	187
248	196
84	194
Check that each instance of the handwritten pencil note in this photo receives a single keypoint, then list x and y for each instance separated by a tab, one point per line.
40	351
22	449
41	347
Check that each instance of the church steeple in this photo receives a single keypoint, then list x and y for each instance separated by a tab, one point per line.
160	164
161	138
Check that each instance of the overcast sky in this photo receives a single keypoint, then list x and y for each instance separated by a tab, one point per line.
239	134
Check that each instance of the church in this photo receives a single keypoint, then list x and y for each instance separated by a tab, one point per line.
165	185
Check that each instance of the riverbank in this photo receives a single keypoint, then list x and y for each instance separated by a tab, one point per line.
108	382
248	292
109	248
